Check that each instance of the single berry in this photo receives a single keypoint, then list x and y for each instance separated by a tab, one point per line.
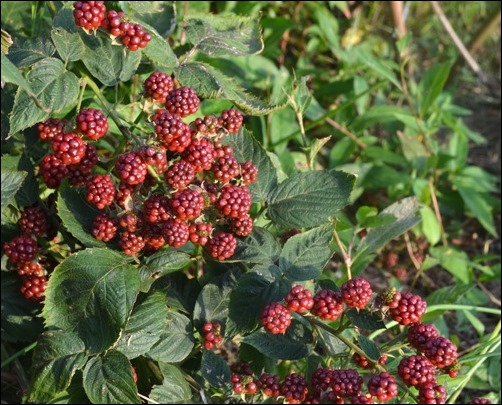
34	287
53	171
270	384
392	259
362	361
134	36
242	226
276	318
356	292
154	236
69	148
389	297
113	22
226	169
81	172
172	131
431	393
346	383
175	232
180	174
154	156
321	379
51	127
231	120
221	150
187	204
100	190
409	310
383	386
205	126
130	168
328	304
92	123
200	153
125	194
89	14
33	221
234	201
131	243
420	333
452	370
182	101
156	209
441	351
200	233
416	370
480	401
21	249
221	245
249	173
294	388
299	299
134	375
30	269
158	85
104	227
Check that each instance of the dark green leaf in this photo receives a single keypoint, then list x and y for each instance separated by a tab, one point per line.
161	263
448	295
369	347
158	50
365	319
377	65
214	369
108	380
259	247
160	15
92	292
308	199
31	51
11	183
174	389
431	86
330	343
68	44
11	74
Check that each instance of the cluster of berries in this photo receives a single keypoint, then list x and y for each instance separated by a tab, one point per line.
91	15
212	335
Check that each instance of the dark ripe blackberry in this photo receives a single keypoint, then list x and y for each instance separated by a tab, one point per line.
112	22
100	191
328	304
180	174
53	171
346	383
51	127
104	227
409	310
231	120
234	201
321	379
182	101
125	193
69	148
441	351
33	221
420	333
172	131
294	388
33	287
200	153
81	172
30	269
241	226
431	393
154	237
356	292
175	232
134	36
200	233
187	204
299	299
156	209
221	245
249	173
270	384
130	221
416	370
226	169
242	368
89	14
158	85
130	168
275	318
21	249
481	401
205	126
131	243
92	123
383	386
154	156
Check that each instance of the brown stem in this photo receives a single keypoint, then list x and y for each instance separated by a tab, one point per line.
438	213
346	132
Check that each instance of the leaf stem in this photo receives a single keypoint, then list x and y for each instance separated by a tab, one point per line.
20	353
346	257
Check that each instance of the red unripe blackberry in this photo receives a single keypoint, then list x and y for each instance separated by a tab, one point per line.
420	333
134	36
212	335
321	379
392	259
270	384
131	243
100	190
440	351
416	370
477	400
346	383
187	204
431	393
172	131
104	228
200	233
92	123
156	209
249	173
356	292
51	127
182	101
158	85
34	287
125	193
89	14
237	386
361	398
69	148
112	22
154	156
180	174
389	297
383	386
175	232
294	388
409	310
30	269
154	236
206	126
134	374
221	150
275	318
21	249
200	153
242	226
53	171
131	168
299	299
33	221
231	120
328	304
226	169
221	245
80	172
234	201
362	361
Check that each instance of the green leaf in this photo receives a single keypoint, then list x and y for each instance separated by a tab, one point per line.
259	247
224	35
430	225
453	260
246	147
304	256
159	15
377	65
478	205
365	319
108	380
214	369
58	355
330	342
77	215
448	295
380	114
301	96
174	389
92	292
31	51
143	327
316	147
431	86
68	44
209	82
176	341
11	183
369	347
310	198
11	74
161	263
158	49
6	41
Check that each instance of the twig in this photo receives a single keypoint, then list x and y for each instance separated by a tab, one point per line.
435	204
397	14
492	297
346	132
346	258
150	400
